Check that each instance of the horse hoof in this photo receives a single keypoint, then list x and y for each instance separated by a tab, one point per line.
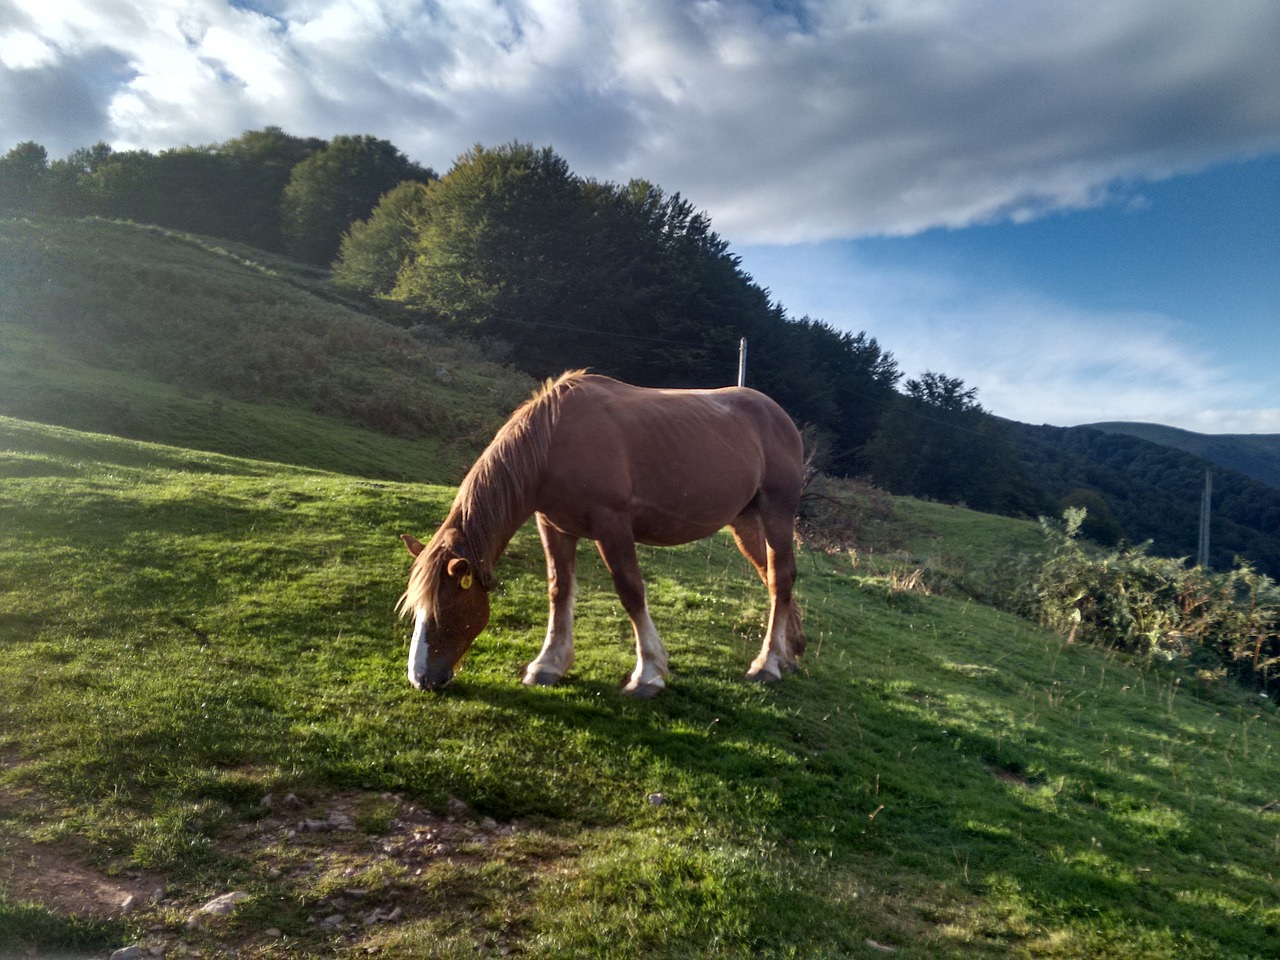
543	678
764	676
643	691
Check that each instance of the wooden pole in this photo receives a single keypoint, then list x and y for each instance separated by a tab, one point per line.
1206	500
742	362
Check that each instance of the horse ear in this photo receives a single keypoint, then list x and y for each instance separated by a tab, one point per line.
460	569
412	543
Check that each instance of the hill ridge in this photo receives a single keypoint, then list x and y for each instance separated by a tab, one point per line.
1256	455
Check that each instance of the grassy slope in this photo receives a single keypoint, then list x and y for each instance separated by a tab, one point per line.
185	632
144	333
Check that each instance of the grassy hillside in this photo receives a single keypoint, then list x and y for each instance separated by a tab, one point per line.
1254	455
149	334
205	693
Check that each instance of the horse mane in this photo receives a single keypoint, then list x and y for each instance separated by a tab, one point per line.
491	500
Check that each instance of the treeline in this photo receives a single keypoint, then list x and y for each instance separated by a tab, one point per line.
550	270
266	188
565	271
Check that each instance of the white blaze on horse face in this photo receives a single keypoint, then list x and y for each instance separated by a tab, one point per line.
418	651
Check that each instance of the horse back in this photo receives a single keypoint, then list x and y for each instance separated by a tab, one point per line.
666	456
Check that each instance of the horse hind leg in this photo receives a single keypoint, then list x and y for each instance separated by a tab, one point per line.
556	656
770	548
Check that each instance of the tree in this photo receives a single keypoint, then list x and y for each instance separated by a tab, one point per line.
24	172
259	164
944	394
843	381
500	244
374	250
938	442
336	186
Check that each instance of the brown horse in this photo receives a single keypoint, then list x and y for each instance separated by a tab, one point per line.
620	465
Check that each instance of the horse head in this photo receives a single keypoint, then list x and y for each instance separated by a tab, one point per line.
451	606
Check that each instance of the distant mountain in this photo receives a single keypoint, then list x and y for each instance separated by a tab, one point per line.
1254	455
1152	492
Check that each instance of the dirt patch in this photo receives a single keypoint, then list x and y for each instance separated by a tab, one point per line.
1009	776
312	875
57	875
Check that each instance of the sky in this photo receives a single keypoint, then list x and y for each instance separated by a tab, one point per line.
1072	205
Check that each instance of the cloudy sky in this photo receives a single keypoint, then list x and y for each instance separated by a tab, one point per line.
1073	205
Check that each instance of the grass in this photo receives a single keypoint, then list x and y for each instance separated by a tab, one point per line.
155	335
186	633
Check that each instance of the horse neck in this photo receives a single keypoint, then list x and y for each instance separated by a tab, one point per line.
483	541
497	495
494	501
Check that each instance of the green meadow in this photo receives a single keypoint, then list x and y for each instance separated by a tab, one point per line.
207	457
190	637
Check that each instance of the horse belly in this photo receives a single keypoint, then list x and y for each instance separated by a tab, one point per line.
694	509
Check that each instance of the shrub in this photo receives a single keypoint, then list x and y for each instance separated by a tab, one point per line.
1226	623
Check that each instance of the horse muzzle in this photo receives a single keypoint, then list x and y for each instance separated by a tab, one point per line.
432	680
423	674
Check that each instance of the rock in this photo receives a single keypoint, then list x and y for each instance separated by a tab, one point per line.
656	799
223	905
273	933
332	920
128	953
340	821
130	904
458	808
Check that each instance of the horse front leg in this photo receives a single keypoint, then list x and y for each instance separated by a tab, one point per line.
648	679
553	662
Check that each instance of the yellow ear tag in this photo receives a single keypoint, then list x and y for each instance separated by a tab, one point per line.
465	581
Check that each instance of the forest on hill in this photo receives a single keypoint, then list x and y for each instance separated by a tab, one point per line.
1255	455
547	270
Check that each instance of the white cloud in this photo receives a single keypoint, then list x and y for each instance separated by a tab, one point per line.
798	121
22	50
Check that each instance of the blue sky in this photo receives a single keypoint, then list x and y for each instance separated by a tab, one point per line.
1162	304
1070	205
